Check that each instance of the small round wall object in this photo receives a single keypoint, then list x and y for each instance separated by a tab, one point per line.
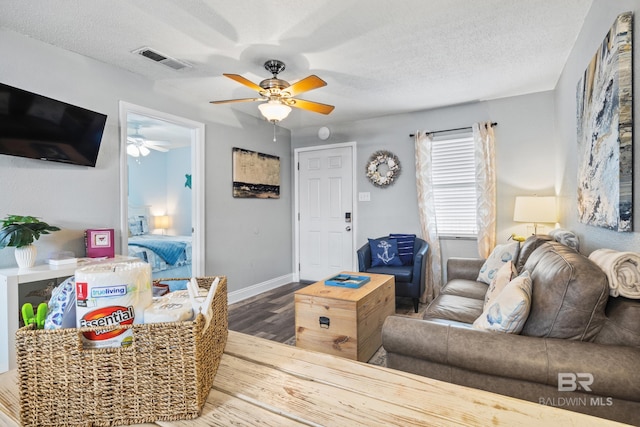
383	168
324	133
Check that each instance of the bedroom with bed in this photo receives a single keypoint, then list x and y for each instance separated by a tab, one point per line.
170	256
159	215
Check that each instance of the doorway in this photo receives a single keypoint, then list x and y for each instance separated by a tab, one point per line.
325	233
138	144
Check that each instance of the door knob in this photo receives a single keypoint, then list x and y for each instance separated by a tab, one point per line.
348	228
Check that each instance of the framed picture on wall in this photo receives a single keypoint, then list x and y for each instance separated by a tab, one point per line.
605	132
255	175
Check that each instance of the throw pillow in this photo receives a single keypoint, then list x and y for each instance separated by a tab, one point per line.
406	243
138	225
510	310
501	279
384	252
499	255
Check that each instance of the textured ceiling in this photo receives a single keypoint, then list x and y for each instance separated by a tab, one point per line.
378	57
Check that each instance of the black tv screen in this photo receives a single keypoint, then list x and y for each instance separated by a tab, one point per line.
38	127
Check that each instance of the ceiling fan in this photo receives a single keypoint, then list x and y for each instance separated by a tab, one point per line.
138	145
279	94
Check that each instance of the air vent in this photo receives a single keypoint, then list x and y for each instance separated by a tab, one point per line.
156	56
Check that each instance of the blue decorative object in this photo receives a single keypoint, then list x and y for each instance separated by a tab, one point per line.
188	182
384	252
347	281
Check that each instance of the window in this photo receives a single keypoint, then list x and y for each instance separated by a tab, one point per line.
454	185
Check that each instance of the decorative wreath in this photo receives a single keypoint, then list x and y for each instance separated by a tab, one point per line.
382	179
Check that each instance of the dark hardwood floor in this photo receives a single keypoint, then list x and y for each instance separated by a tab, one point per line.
268	315
271	315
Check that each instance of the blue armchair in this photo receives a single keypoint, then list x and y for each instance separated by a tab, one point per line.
409	278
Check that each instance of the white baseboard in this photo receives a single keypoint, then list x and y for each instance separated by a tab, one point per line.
250	291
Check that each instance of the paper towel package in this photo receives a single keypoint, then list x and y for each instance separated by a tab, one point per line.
112	294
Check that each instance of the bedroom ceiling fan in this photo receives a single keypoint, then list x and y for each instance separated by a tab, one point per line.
138	145
279	94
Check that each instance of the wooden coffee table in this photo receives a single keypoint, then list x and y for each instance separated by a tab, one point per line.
344	321
265	383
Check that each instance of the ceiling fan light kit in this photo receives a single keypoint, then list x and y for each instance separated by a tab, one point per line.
138	145
279	94
274	111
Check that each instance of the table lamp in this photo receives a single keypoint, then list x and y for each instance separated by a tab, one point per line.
161	222
536	210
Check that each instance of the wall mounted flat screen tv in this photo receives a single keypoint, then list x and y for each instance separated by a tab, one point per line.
38	127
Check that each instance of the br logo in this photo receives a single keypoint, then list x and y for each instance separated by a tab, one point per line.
568	381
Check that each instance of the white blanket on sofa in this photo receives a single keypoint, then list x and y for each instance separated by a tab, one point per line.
622	270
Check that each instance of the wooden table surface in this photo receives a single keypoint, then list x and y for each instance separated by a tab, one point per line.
319	289
261	382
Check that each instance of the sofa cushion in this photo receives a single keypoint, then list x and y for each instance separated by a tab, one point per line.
569	294
384	251
465	288
454	307
403	273
508	311
623	323
500	255
528	246
502	279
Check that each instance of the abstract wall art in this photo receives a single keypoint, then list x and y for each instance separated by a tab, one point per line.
255	175
605	139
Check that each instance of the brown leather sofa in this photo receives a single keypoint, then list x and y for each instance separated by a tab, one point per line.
579	349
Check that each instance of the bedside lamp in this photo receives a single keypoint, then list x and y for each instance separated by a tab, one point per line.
161	222
536	210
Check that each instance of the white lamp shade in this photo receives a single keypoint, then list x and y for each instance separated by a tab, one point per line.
274	111
133	151
144	150
535	209
161	221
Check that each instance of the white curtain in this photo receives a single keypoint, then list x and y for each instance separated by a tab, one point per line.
484	141
427	212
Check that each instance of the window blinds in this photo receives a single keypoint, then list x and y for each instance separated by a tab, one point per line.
454	185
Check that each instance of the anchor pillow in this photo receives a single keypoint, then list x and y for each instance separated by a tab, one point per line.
384	252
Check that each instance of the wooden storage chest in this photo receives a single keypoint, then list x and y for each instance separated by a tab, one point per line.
344	321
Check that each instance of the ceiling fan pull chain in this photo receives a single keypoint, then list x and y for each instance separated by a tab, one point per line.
274	131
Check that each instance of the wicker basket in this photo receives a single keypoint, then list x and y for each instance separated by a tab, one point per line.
166	374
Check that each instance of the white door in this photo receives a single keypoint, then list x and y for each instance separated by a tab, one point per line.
325	201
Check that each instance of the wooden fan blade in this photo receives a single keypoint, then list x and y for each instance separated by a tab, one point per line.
316	107
227	101
304	85
244	81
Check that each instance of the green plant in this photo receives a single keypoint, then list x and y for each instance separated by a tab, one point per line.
22	231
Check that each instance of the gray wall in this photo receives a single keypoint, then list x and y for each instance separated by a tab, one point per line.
596	25
525	145
242	236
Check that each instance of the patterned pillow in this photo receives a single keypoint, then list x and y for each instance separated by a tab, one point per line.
384	252
510	309
406	243
501	279
500	255
138	225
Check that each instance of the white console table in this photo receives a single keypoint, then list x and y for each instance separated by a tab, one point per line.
10	280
